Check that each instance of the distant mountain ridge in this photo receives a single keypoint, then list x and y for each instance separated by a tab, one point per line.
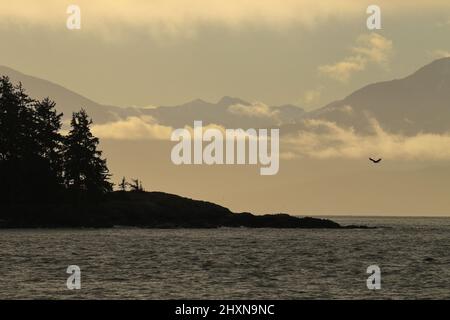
417	103
228	111
68	101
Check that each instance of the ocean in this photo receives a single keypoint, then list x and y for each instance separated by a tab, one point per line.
413	255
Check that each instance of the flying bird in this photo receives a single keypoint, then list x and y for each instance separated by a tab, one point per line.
375	161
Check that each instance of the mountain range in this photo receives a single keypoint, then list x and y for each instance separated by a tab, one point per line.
67	102
417	103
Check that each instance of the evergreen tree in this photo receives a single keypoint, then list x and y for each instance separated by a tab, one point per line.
16	136
49	140
36	161
84	168
19	163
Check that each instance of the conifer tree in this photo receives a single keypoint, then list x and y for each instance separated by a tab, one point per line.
84	167
18	170
49	140
16	136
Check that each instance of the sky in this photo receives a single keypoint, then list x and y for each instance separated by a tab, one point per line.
308	53
146	53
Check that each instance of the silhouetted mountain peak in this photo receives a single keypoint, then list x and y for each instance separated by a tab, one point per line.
416	103
229	101
196	103
67	101
437	67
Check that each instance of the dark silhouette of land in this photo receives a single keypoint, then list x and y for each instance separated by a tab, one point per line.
147	210
52	180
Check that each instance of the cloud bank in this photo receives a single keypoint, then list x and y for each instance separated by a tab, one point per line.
319	139
133	128
180	17
255	110
326	140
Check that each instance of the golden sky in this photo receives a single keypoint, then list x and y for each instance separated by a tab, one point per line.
269	52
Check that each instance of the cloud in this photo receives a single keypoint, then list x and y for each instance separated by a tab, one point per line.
133	128
374	48
323	140
255	110
184	17
437	54
370	48
319	139
346	109
342	71
147	128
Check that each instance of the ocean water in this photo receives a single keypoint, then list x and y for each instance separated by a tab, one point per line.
412	253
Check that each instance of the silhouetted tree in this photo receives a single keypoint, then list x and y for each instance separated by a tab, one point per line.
136	185
16	125
123	184
84	167
24	171
36	162
49	140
